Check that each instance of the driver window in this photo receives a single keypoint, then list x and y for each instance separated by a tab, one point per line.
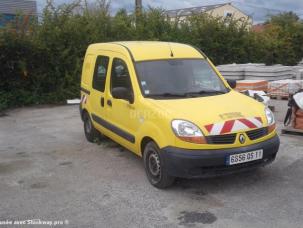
120	75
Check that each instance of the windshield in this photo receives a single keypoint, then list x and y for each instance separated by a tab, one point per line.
179	78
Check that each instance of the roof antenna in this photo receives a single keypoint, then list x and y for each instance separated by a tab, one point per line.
171	51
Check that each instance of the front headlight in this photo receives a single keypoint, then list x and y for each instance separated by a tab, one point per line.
187	131
269	116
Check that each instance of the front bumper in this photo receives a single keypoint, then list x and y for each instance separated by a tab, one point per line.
188	163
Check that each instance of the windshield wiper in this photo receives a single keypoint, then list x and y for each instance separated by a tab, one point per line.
187	94
206	92
167	95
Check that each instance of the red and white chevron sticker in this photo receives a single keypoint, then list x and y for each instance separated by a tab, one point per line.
83	99
234	125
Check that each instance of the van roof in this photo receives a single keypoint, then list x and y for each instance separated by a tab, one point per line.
149	50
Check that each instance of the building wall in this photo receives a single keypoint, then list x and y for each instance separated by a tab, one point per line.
224	10
10	8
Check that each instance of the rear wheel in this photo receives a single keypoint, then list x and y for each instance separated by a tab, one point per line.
90	132
155	167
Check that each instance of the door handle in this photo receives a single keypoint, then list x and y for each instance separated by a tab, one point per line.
102	101
109	102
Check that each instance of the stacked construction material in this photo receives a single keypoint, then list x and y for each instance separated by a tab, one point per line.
298	119
252	77
257	85
257	71
269	73
298	71
232	71
284	88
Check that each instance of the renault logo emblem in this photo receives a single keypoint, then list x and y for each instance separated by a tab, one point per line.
242	139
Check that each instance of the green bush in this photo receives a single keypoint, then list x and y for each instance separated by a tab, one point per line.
41	61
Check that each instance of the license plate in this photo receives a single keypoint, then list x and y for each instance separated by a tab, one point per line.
244	157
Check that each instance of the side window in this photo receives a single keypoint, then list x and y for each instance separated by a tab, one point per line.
120	75
100	73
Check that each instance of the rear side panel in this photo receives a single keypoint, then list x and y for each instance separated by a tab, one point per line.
86	82
86	78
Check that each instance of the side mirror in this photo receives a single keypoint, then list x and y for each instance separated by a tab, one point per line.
123	93
232	83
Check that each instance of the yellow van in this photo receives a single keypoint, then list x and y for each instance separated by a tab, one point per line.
167	103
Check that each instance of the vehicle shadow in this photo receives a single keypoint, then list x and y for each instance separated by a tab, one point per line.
257	179
268	175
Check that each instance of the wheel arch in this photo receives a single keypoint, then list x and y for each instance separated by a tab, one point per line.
151	132
82	113
144	141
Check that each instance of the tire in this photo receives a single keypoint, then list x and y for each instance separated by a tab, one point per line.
90	131
155	167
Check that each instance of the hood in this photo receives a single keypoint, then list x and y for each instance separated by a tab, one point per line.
218	109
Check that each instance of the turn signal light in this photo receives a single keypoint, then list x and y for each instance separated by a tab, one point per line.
271	128
193	139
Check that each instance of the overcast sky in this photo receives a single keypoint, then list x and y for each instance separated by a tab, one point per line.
258	9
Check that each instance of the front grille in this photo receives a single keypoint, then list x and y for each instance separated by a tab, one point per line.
221	139
257	133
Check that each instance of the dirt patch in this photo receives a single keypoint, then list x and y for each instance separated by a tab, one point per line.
39	185
65	163
13	166
200	192
192	217
22	154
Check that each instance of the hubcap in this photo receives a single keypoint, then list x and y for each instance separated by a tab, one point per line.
154	164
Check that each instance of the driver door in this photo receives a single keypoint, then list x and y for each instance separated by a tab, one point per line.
121	113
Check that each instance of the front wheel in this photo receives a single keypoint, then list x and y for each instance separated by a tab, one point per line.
155	167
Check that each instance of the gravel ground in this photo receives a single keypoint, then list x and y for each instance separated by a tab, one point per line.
49	171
